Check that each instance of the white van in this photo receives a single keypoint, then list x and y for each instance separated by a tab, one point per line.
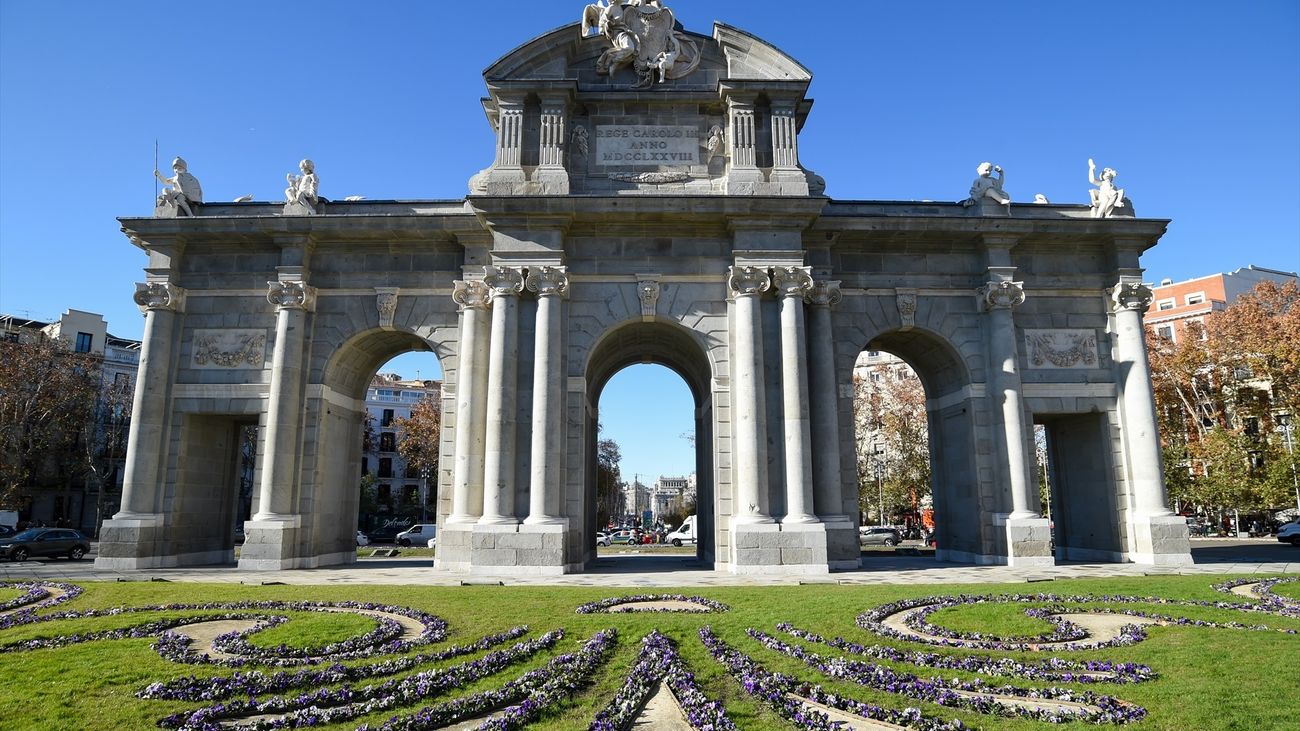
685	533
425	533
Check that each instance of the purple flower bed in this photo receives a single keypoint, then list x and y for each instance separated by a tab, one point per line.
1063	638
774	690
1054	669
35	591
1269	601
327	705
660	662
604	604
943	691
531	693
252	683
175	647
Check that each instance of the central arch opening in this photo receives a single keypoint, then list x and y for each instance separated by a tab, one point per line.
649	405
914	443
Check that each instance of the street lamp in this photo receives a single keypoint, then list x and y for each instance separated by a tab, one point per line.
1287	427
880	487
424	494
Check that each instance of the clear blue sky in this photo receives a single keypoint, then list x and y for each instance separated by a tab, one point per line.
1196	104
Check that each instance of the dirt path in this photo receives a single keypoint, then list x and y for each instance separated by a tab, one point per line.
660	605
1100	628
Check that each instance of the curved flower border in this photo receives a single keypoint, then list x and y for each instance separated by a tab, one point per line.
531	693
872	620
775	689
333	705
175	646
604	605
35	592
658	662
1053	669
971	695
253	682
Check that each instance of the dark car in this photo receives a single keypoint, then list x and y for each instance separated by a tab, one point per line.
878	535
45	542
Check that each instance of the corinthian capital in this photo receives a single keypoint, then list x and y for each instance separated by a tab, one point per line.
1131	296
824	293
1001	295
471	295
792	281
748	280
291	295
548	281
503	281
159	296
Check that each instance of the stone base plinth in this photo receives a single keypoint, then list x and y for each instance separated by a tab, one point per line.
775	549
133	543
1160	540
509	550
1029	542
551	181
270	545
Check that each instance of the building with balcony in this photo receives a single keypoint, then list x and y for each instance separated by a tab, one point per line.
1176	304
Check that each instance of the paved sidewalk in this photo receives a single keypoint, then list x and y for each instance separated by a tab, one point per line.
639	571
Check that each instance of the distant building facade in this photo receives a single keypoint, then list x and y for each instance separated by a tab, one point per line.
72	502
1175	304
400	490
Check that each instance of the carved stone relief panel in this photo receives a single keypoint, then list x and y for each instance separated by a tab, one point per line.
227	349
1056	349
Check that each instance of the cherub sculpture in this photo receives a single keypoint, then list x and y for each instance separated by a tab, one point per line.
181	190
303	190
986	186
1105	197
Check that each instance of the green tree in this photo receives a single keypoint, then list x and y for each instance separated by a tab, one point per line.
609	481
47	397
419	441
104	442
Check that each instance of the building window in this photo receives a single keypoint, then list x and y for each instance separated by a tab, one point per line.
385	467
1165	304
1196	299
388	442
385	493
1165	332
121	379
365	465
387	419
410	494
412	473
11	337
84	341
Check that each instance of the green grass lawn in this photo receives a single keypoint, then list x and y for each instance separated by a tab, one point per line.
1209	678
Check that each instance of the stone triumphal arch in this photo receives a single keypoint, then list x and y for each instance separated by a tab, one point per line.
646	203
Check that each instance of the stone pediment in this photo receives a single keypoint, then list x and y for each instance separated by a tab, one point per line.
628	101
731	54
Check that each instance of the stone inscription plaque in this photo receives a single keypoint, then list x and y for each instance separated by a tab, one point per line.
645	145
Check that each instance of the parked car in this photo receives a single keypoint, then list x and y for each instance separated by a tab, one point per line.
1289	533
418	533
602	538
362	539
45	542
623	536
879	535
7	530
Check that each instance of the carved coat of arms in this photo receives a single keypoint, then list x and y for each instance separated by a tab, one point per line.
642	34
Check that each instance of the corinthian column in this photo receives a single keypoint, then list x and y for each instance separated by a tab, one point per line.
499	468
999	297
159	301
292	300
792	283
551	285
750	432
473	299
1131	300
827	478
